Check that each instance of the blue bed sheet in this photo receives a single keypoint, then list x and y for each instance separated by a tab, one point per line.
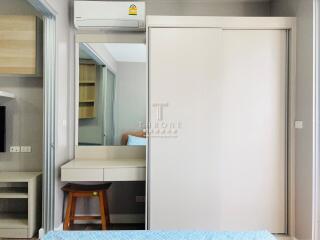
157	235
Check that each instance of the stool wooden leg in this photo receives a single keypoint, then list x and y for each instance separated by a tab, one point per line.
106	207
73	210
102	211
66	224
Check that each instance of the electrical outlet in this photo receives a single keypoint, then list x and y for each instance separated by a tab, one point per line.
140	199
25	149
14	149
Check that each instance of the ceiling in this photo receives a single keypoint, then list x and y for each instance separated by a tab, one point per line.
127	52
83	54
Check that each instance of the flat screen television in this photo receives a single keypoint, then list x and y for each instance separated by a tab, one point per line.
2	128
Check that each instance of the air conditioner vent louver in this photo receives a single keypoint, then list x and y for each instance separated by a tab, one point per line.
111	14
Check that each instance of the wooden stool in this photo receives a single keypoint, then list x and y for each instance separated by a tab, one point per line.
77	190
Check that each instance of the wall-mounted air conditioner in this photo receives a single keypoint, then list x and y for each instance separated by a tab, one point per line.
109	14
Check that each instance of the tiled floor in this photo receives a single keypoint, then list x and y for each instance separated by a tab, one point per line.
90	227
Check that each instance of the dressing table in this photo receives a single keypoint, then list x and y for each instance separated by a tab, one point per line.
113	163
110	109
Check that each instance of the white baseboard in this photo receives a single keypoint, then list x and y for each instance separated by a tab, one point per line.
59	228
41	233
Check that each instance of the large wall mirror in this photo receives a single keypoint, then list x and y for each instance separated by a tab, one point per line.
112	94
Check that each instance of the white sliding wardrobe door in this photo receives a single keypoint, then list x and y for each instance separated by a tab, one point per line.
226	168
253	143
184	73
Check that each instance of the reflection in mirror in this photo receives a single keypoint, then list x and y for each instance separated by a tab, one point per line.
112	94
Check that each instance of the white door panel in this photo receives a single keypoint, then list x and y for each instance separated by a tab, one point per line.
226	168
253	141
183	67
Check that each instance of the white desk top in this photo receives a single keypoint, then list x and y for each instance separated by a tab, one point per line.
99	163
104	170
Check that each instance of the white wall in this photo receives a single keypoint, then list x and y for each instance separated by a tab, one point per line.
303	9
207	8
23	123
130	98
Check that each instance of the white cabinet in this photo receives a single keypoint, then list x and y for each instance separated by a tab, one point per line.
19	189
227	87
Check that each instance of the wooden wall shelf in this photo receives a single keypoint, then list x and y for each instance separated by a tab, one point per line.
18	45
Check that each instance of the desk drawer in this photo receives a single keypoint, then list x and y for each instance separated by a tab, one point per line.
70	175
124	174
